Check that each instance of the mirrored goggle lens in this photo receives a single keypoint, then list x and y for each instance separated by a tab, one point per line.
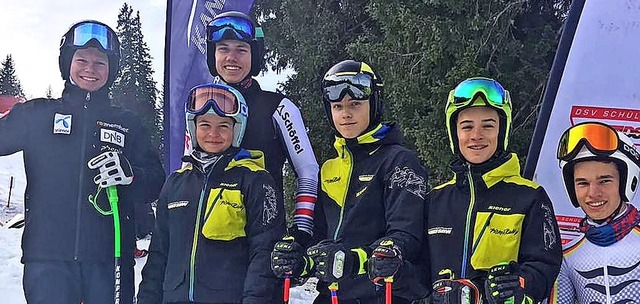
338	91
242	28
84	32
492	90
599	138
222	101
357	86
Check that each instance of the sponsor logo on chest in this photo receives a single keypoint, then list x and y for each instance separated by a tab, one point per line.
62	124
112	136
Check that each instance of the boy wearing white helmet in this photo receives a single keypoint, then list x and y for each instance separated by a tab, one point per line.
218	217
600	169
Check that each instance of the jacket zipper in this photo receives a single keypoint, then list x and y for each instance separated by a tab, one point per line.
472	201
83	152
194	246
344	199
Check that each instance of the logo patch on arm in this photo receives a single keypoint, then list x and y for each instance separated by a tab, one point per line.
270	204
405	178
62	124
112	136
177	204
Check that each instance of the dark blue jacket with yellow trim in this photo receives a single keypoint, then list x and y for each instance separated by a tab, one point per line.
214	234
374	188
489	214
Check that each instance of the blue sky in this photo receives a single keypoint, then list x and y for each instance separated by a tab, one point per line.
30	31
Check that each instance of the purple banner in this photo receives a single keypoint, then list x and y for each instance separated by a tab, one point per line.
185	63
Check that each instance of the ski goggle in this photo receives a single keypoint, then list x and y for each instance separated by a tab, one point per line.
599	138
220	98
494	93
239	28
358	86
85	32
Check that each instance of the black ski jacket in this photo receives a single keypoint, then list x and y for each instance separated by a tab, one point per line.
214	234
489	214
58	138
373	189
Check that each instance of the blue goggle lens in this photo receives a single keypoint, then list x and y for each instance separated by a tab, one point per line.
85	32
231	27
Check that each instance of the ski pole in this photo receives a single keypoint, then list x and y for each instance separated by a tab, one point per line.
334	292
112	194
287	286
387	289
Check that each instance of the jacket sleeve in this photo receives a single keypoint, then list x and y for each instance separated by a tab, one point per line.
413	280
404	195
300	154
14	129
151	291
540	250
148	174
265	226
563	290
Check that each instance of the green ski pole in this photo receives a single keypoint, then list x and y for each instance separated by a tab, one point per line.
112	194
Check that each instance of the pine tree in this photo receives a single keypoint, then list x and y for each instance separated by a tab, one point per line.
135	89
9	83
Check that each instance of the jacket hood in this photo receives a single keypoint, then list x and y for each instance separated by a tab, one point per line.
250	159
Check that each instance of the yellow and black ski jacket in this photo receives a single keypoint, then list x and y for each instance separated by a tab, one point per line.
214	233
373	189
488	214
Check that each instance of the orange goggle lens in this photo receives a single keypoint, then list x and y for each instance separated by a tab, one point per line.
598	137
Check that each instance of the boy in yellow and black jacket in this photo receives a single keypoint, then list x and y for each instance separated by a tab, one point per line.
491	234
218	217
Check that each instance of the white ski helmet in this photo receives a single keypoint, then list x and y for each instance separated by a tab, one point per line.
598	141
219	99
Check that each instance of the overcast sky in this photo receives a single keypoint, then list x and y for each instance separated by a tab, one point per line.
30	31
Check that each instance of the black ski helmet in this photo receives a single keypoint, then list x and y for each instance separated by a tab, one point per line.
90	33
256	42
357	74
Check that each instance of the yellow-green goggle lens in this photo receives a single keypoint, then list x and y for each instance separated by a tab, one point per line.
492	90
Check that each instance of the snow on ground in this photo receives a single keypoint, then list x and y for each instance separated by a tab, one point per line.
11	271
10	251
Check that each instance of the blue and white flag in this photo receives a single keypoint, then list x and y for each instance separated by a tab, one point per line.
186	64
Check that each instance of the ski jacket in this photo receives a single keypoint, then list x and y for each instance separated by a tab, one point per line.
373	189
275	127
58	138
214	234
595	274
489	214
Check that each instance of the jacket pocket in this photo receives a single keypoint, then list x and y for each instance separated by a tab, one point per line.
496	239
226	215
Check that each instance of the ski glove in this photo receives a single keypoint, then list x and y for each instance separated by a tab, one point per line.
334	262
458	291
505	286
385	261
288	258
114	169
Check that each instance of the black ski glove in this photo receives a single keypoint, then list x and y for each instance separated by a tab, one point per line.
334	262
459	291
505	285
289	258
385	261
